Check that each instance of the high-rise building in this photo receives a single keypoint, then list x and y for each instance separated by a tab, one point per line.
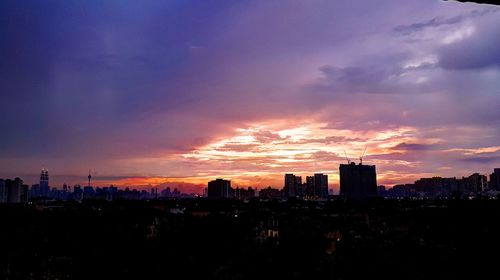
358	181
44	183
35	190
289	186
293	185
24	195
88	192
77	193
270	193
243	194
219	188
321	185
439	186
14	190
474	183
495	180
310	186
3	191
298	186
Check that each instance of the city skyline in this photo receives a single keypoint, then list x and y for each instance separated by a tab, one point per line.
291	185
358	182
183	93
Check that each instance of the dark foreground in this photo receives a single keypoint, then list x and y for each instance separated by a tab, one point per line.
199	239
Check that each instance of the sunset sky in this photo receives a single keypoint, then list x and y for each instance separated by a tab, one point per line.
180	92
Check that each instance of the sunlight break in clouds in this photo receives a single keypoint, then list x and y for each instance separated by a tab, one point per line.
270	149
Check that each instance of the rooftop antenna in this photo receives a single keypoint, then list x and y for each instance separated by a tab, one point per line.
361	157
347	158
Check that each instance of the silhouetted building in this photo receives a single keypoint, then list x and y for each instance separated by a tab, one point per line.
270	193
436	186
3	192
473	184
112	192
310	186
166	192
495	180
77	193
177	193
381	191
444	187
219	188
24	196
243	194
44	183
14	190
35	190
401	191
88	192
357	181
321	185
293	185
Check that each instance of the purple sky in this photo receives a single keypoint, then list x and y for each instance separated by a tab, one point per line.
184	91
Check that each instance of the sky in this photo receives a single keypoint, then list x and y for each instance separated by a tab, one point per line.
180	92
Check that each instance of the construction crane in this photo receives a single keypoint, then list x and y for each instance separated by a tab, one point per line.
362	155
347	158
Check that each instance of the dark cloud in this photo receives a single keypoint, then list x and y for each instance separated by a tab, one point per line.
482	159
387	77
395	157
356	79
442	21
435	22
414	147
478	51
472	52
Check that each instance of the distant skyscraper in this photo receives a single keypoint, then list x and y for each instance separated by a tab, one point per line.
3	191
495	180
321	185
24	195
243	194
270	193
357	181
310	186
44	183
298	186
292	185
35	190
14	190
475	183
440	187
219	188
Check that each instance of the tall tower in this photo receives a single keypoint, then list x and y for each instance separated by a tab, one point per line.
357	182
292	184
219	188
90	176
44	182
495	180
321	185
